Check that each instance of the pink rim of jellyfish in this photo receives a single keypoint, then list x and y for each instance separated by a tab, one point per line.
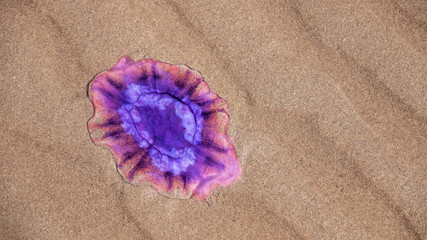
163	125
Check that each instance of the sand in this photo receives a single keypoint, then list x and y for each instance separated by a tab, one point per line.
328	108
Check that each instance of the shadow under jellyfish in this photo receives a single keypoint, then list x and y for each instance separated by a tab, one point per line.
164	126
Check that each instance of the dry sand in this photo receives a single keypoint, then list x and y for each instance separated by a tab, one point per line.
328	110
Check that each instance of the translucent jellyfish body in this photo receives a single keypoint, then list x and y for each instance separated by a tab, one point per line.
164	126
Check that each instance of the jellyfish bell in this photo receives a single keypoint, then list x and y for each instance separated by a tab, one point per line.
164	126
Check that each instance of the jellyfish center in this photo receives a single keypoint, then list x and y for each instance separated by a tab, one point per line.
163	125
164	122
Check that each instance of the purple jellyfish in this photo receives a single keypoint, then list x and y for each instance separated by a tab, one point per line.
164	126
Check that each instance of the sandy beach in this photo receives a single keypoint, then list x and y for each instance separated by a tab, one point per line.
328	114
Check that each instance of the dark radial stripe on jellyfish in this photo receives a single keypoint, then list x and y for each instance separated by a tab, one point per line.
114	84
164	126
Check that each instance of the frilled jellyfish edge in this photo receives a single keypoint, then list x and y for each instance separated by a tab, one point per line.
130	90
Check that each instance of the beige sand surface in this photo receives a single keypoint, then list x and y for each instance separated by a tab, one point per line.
328	108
